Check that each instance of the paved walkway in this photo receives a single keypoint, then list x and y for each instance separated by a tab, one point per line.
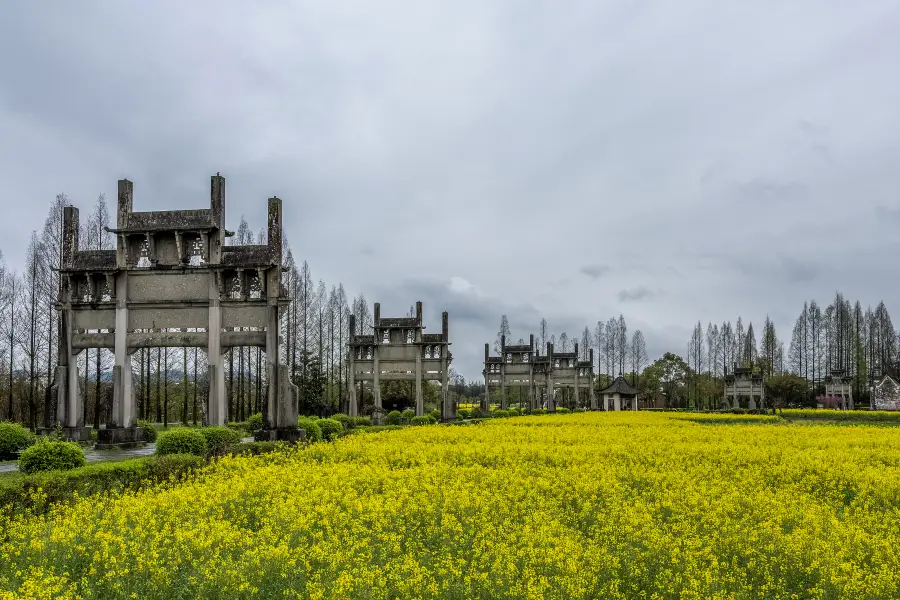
94	456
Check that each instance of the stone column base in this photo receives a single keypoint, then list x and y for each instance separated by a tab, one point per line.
70	434
120	437
286	434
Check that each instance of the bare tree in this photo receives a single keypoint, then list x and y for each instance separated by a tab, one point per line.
639	357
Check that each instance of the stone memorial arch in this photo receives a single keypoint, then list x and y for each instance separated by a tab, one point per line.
744	389
171	282
522	366
399	350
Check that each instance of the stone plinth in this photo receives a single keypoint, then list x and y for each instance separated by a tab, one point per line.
289	435
120	437
69	434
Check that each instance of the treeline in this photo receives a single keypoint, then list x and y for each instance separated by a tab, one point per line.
843	336
171	384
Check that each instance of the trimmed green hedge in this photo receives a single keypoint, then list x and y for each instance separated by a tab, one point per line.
13	437
51	455
38	492
312	429
395	417
330	428
181	440
150	432
219	439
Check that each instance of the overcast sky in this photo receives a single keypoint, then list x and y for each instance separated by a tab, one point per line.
669	161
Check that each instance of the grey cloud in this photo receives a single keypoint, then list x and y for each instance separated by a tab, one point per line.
634	294
594	271
511	145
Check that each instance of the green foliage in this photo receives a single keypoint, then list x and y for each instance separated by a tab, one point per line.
344	420
871	416
362	422
149	431
563	410
14	437
513	412
395	417
787	390
219	439
578	410
377	428
408	415
181	440
431	419
39	491
255	422
51	455
311	379
422	420
256	448
501	413
463	413
539	411
312	429
330	428
436	414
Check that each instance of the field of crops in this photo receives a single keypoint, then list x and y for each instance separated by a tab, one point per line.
592	505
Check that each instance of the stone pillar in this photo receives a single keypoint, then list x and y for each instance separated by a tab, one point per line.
126	194
486	402
503	403
376	366
272	370
123	413
634	403
420	398
216	409
577	378
617	402
352	408
551	403
591	393
449	411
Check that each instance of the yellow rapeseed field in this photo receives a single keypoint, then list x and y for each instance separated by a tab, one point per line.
595	505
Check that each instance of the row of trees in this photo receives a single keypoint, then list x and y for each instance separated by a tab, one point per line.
842	336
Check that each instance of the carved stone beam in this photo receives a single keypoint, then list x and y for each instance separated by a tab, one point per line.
151	248
204	246
242	280
111	285
179	244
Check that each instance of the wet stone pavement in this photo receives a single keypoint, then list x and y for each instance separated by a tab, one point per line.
94	456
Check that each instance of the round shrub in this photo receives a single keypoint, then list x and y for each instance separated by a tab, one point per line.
563	410
345	420
362	422
431	419
51	455
393	418
500	413
463	413
423	420
579	410
149	431
408	415
539	411
255	422
480	413
14	437
436	414
312	429
513	412
181	440
219	439
330	428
